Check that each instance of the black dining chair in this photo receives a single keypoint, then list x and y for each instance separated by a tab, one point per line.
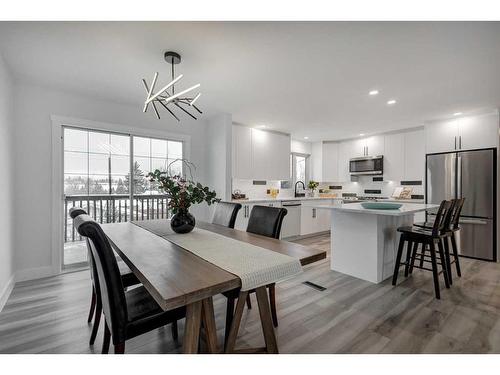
225	214
127	314
428	239
265	221
127	276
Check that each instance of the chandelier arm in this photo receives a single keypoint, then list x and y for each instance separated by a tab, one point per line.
151	98
145	108
168	109
156	110
195	107
185	110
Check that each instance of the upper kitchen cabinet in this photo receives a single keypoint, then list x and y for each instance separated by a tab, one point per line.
242	153
259	154
478	131
465	133
394	153
414	156
374	145
345	152
330	154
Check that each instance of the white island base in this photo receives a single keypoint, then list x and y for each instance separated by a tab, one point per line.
364	242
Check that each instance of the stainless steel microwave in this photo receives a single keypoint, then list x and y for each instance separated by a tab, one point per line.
369	165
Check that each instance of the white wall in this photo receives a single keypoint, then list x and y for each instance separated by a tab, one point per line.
6	183
301	147
33	182
218	155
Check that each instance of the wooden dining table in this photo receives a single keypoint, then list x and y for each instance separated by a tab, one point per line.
176	277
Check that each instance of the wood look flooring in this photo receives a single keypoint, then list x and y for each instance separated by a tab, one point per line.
350	316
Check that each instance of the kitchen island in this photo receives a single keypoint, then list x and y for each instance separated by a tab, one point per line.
364	241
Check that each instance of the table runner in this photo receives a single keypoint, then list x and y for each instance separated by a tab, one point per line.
254	265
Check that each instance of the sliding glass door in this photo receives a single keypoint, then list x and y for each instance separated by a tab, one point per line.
97	177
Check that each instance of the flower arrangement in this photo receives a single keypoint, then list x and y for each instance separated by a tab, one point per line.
313	185
182	192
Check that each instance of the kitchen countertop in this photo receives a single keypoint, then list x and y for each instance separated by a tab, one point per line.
405	209
281	199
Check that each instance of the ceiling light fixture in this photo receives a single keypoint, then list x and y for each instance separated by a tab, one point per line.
262	126
361	134
373	92
391	102
166	96
306	137
457	113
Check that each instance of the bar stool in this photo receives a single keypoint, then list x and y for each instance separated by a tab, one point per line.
415	236
456	210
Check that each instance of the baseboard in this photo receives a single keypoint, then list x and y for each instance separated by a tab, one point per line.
5	293
34	273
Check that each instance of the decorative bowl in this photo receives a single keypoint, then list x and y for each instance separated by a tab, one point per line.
381	205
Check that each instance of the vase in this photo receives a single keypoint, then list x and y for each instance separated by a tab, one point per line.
182	222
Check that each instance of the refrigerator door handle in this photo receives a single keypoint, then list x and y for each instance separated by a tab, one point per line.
459	177
455	142
473	221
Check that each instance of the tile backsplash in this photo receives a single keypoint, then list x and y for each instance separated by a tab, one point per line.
364	183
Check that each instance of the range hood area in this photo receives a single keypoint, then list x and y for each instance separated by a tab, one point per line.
366	165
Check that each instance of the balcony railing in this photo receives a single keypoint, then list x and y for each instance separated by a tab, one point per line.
113	209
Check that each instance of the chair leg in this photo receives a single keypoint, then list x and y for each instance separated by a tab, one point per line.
409	248
413	256
106	340
97	321
120	348
444	264
448	260
435	271
249	302
424	249
229	318
398	259
455	254
175	331
272	303
92	305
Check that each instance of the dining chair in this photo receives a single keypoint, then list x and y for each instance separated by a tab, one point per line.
127	276
127	314
225	214
265	221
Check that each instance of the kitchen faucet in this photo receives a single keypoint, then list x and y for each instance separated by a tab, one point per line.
303	187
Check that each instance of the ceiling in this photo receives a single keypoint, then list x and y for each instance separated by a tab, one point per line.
310	79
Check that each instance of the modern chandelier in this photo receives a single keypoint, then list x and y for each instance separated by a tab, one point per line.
167	96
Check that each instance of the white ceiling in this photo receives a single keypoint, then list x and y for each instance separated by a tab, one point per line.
308	78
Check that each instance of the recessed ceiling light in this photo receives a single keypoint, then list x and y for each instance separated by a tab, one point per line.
391	102
361	134
373	92
306	137
457	113
262	126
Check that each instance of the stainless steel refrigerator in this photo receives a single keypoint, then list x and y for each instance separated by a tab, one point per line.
469	174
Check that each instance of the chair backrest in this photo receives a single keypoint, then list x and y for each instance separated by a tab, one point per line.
442	220
110	283
266	221
225	214
457	210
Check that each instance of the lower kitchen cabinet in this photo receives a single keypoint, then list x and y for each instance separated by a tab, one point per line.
314	220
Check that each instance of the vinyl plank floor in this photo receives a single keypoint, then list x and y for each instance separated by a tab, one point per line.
350	316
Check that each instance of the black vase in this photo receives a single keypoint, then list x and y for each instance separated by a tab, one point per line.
182	222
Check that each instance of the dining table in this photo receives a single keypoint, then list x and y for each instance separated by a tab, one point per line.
175	276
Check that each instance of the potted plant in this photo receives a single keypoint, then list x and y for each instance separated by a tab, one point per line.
182	193
312	185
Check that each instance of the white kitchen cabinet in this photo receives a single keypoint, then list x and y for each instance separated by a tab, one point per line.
414	156
464	133
356	148
394	161
330	154
345	150
478	131
314	220
441	136
374	145
242	152
260	155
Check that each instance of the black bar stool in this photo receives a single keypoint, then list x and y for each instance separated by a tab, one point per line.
415	236
456	210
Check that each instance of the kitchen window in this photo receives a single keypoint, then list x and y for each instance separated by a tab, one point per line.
299	167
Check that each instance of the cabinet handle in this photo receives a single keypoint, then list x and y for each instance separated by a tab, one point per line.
460	142
314	213
455	142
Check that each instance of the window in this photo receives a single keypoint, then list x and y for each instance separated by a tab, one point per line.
300	167
97	170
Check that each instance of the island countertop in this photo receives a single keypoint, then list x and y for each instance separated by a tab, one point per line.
405	209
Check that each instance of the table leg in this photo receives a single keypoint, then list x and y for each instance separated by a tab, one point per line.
266	320
208	317
192	328
235	324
